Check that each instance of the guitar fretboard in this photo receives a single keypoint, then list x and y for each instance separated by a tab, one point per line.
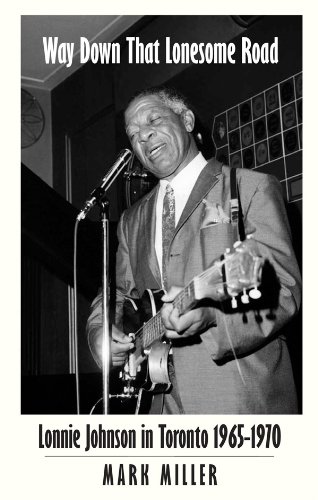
154	328
148	333
185	299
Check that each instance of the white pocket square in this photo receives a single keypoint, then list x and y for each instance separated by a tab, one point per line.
213	214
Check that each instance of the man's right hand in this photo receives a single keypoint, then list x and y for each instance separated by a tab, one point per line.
119	346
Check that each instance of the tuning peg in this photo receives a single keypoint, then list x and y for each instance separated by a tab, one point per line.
255	293
234	303
245	299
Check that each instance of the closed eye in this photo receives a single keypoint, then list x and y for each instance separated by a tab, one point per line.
155	119
132	136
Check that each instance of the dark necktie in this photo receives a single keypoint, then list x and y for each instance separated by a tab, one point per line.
168	227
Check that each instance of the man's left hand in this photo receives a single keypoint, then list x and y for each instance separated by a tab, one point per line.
192	322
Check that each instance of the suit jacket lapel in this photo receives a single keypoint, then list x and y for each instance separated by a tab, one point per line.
206	181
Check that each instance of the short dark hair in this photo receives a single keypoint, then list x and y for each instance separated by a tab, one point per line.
168	95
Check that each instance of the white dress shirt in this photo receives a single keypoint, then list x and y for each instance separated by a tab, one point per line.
182	185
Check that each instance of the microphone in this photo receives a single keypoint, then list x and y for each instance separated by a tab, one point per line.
122	160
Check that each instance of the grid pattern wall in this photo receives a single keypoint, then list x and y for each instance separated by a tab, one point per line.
265	133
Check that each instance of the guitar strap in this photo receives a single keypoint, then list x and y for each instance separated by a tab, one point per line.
236	208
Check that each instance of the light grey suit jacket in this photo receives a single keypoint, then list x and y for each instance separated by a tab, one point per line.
209	379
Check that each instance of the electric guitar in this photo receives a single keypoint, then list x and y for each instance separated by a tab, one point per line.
237	272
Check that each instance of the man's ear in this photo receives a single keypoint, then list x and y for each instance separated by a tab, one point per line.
188	120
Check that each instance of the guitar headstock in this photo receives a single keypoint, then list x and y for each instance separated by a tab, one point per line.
239	270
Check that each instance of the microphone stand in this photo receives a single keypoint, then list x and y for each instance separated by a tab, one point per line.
97	197
104	213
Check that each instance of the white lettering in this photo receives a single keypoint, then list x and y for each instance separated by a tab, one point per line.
62	53
255	53
185	53
141	53
104	53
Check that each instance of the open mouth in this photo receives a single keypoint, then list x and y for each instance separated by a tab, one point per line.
155	151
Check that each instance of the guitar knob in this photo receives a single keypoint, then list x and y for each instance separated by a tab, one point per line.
245	299
255	293
234	303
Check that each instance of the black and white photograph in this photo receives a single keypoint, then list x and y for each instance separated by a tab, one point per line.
162	159
160	252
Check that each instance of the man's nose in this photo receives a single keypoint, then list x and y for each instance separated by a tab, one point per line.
145	133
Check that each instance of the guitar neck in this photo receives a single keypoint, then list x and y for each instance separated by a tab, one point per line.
154	328
147	334
186	299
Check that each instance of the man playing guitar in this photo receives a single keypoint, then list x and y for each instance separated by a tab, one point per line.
229	354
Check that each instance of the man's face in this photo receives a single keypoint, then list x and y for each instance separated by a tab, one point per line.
160	138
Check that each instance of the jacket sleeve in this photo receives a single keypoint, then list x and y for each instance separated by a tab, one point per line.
245	331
